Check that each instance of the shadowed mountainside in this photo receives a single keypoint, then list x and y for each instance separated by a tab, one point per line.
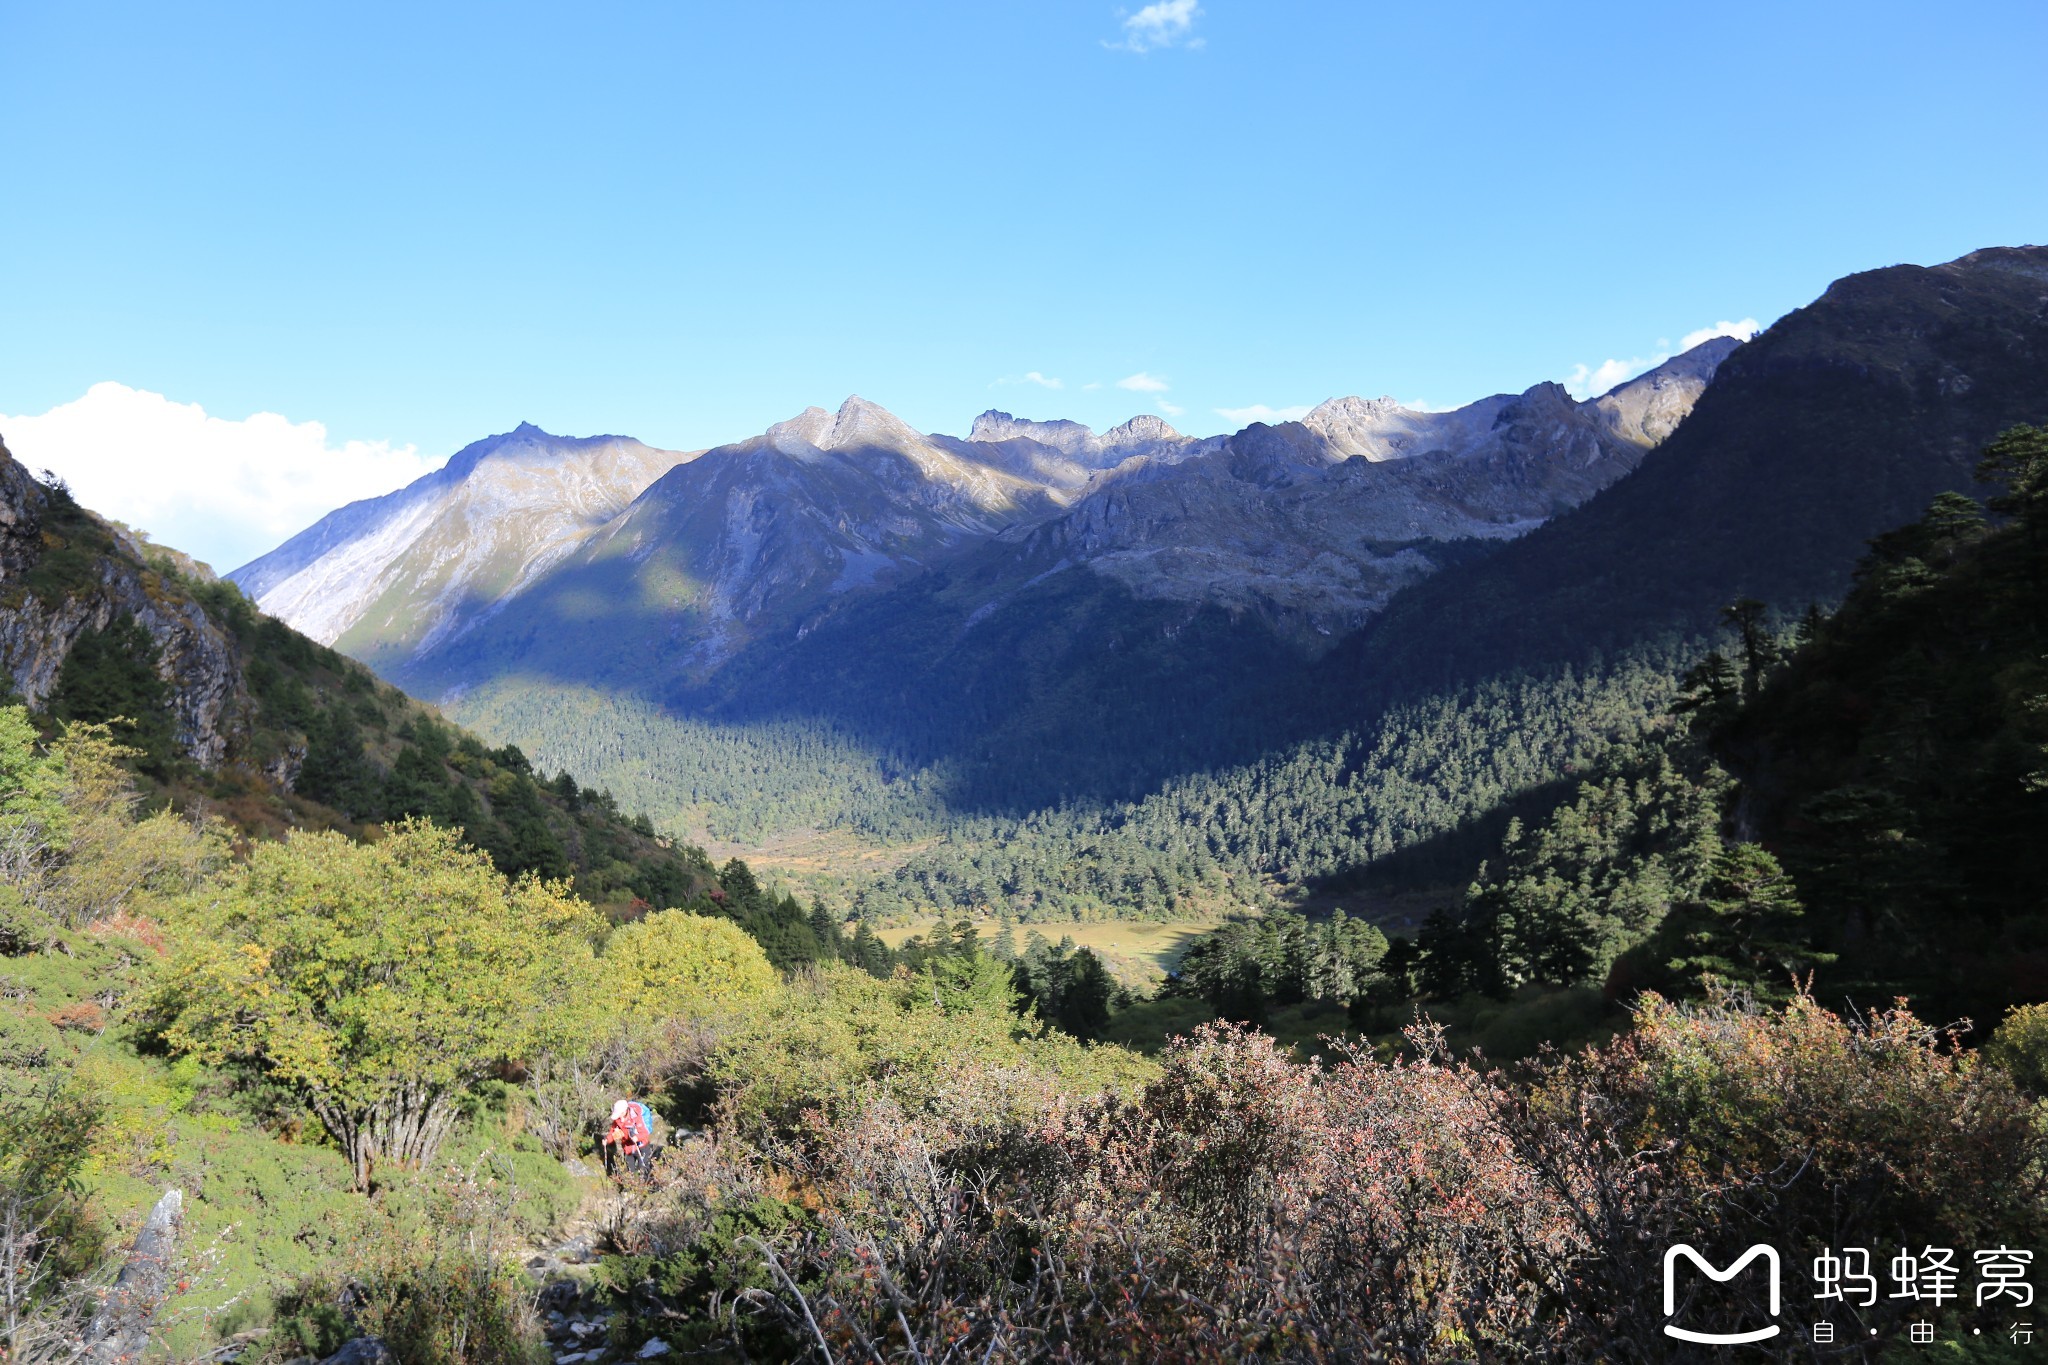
1841	421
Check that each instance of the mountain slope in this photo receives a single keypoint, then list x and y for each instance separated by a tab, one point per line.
67	576
1842	420
746	537
1316	524
1898	761
1082	655
236	714
389	575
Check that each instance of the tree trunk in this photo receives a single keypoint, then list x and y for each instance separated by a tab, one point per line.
407	1128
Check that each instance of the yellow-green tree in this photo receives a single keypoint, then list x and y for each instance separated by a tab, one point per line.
74	846
30	808
112	858
380	980
674	963
2020	1046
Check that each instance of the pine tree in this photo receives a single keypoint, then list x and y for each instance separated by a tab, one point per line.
111	675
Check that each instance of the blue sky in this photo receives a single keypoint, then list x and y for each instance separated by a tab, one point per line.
409	226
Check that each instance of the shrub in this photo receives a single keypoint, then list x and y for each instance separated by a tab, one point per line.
49	1238
1248	1206
82	1016
673	962
430	1282
2020	1046
837	1032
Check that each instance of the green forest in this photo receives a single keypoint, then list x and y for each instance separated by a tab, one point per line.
1429	776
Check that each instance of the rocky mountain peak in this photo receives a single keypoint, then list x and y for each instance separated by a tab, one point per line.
857	423
1372	428
1144	429
861	423
1698	363
524	441
1649	407
1353	409
812	427
1068	437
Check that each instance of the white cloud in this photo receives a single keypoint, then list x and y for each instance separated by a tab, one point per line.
1032	377
1259	412
1588	381
1167	408
223	491
1143	383
1091	386
1741	331
1168	23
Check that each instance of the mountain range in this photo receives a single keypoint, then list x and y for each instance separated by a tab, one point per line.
686	558
844	623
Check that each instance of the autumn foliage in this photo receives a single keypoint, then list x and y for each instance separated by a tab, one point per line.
1245	1205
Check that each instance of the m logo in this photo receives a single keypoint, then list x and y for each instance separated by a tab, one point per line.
1770	1256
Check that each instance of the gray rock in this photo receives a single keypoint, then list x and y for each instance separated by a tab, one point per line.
655	1347
196	660
120	1330
362	1351
576	1251
577	1168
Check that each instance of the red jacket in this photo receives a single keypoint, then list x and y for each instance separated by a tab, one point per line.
630	1131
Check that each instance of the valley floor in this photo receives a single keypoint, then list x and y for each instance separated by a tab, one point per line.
1139	948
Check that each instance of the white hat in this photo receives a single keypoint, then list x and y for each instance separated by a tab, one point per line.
619	1110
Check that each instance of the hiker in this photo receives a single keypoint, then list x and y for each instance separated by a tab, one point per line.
630	1130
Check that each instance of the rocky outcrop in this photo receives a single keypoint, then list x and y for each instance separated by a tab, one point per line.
1069	438
42	615
1649	408
1316	524
120	1331
1144	434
